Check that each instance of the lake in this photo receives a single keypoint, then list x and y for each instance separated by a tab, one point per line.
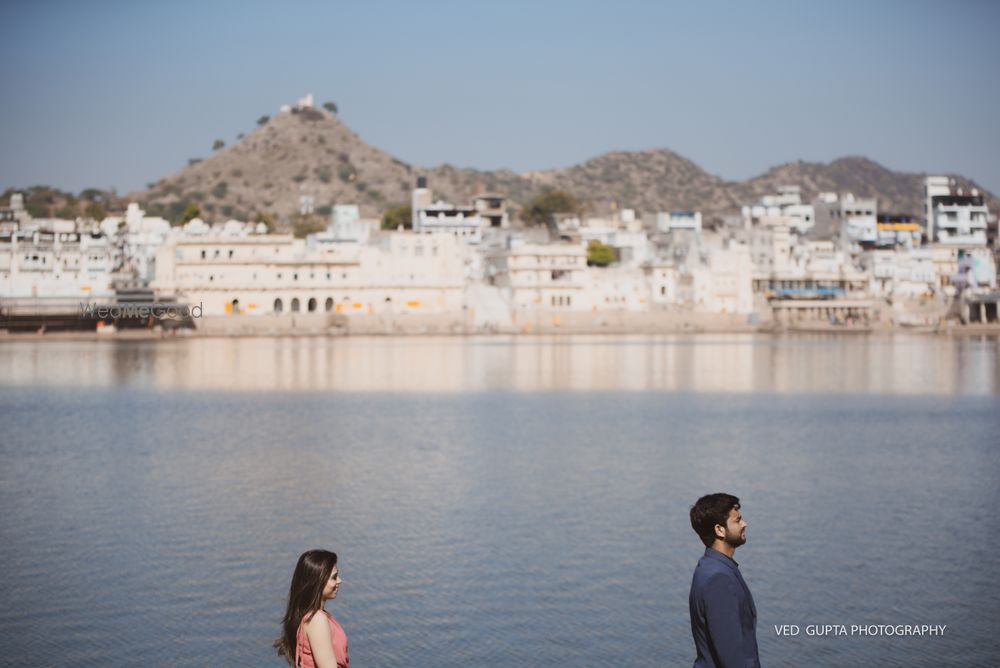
495	500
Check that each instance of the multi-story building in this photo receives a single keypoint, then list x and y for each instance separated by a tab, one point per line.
615	288
897	230
465	222
724	284
399	272
953	217
783	209
139	237
901	273
540	276
57	264
665	222
847	220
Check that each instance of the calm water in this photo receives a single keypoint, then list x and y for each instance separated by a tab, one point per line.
494	501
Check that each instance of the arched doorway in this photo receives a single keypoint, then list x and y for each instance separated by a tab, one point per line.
278	306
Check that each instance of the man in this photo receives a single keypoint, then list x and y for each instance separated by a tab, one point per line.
723	616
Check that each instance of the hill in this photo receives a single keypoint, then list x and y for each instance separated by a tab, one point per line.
311	153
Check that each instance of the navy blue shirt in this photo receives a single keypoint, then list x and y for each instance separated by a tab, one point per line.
723	616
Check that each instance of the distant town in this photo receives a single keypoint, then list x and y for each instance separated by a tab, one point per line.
835	263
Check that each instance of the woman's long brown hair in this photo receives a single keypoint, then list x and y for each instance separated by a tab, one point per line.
305	597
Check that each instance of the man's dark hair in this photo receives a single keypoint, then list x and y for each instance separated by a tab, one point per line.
710	510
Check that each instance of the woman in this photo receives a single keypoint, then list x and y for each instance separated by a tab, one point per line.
310	637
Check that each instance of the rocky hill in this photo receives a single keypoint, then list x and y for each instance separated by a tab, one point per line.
310	152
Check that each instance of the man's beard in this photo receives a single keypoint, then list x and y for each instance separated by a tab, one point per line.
735	540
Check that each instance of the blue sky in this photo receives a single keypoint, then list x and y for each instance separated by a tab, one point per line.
122	93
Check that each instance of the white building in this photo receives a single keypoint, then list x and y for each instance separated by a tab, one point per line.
540	276
467	223
616	288
347	227
784	209
898	230
901	273
662	221
847	220
787	266
953	262
662	277
623	232
952	217
725	283
139	236
400	272
57	266
716	277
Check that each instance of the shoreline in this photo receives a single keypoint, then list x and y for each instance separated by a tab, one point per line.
681	329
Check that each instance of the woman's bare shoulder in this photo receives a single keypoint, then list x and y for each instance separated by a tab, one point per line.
317	620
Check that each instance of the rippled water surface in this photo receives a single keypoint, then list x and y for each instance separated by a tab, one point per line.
494	501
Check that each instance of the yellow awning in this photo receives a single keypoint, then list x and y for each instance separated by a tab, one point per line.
899	227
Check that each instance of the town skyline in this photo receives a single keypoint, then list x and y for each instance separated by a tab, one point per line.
536	90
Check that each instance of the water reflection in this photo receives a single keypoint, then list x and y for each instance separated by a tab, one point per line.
737	363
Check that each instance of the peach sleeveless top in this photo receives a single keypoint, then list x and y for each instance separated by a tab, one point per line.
303	652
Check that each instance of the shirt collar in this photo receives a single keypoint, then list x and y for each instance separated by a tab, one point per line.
715	554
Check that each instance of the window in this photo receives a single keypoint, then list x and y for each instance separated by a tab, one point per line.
295	305
203	255
278	306
329	303
312	304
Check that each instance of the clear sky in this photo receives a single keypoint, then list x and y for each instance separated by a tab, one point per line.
120	94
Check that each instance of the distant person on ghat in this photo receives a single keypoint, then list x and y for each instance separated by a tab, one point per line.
723	616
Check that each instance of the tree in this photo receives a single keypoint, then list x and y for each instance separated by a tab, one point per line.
542	209
400	215
263	119
95	211
305	224
191	211
600	255
266	218
91	194
217	144
330	106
